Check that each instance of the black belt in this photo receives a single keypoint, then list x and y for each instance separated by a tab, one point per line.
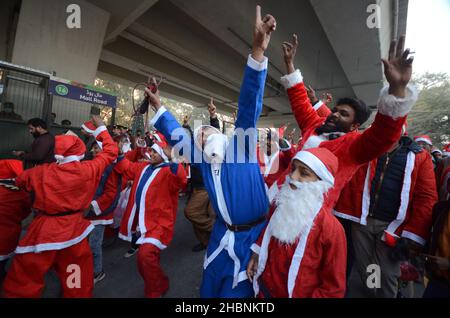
59	213
246	227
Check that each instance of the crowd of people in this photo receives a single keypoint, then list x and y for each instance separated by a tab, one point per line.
341	212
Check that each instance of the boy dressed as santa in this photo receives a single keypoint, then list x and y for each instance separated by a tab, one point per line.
151	211
302	251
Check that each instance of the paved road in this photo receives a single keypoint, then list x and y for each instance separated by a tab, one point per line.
183	267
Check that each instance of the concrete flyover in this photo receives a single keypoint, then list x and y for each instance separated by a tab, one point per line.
200	46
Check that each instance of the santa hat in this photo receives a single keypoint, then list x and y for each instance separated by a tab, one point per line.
90	128
320	160
9	169
68	149
424	138
436	150
446	151
159	148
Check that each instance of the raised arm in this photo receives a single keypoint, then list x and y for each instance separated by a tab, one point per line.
213	120
394	104
304	113
252	88
109	152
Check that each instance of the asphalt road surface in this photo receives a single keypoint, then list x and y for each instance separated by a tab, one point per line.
183	267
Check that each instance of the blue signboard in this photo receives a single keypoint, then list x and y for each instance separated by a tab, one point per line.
81	92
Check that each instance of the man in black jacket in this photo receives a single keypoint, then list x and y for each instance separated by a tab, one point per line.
42	147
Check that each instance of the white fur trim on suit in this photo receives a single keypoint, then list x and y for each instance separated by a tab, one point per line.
366	197
99	130
102	222
292	79
404	197
416	238
151	240
53	246
318	105
395	107
158	114
87	129
257	66
255	248
346	216
315	164
289	147
142	207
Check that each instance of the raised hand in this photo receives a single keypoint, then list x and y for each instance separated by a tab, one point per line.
186	120
153	98
261	34
212	108
311	95
97	121
327	98
289	52
398	68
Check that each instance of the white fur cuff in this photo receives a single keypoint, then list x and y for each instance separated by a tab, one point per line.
257	66
99	130
255	248
158	114
292	79
395	107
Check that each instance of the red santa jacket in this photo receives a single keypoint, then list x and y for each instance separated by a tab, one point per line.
62	192
107	195
153	202
15	206
414	217
313	267
352	149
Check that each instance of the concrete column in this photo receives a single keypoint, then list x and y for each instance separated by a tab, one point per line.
44	42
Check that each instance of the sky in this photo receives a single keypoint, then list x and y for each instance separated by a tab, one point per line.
428	34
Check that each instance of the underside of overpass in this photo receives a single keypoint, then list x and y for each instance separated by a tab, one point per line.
200	47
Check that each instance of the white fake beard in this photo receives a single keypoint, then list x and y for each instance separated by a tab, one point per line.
297	209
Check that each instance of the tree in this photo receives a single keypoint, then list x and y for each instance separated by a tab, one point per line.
431	113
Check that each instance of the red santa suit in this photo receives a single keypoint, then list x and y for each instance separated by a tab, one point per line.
312	263
56	238
352	149
15	206
418	194
151	210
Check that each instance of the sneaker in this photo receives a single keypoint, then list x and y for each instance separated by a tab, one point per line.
130	252
198	248
99	277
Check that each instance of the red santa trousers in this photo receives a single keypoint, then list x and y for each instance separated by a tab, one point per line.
25	278
156	281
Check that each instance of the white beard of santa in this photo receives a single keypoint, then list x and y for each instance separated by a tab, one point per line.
296	209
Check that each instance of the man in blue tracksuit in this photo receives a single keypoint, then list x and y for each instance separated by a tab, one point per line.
231	175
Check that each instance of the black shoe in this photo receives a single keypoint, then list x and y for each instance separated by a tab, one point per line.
198	248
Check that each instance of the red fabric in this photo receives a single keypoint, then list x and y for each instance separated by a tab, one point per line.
324	111
26	277
161	201
323	266
64	188
327	158
69	146
422	196
354	148
10	169
14	208
156	281
106	199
